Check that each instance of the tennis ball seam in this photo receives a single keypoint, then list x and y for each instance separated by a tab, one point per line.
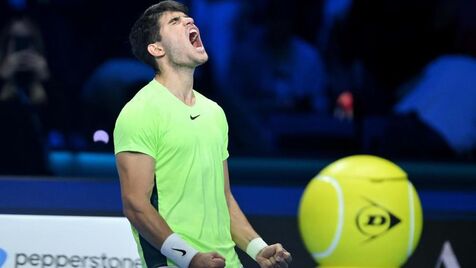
412	220
340	221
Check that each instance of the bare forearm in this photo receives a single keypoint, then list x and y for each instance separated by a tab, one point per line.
136	172
241	230
148	223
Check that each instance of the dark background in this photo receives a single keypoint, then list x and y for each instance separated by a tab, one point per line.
278	69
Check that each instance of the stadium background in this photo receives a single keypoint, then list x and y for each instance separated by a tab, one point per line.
372	51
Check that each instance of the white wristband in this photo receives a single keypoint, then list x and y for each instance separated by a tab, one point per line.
255	246
178	251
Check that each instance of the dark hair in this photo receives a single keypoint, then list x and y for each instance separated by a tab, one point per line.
146	30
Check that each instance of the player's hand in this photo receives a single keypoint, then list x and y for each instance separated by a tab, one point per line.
274	256
207	260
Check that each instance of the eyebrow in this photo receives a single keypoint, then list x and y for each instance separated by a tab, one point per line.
173	19
176	18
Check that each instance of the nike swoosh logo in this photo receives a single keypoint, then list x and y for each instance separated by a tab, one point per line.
180	250
194	117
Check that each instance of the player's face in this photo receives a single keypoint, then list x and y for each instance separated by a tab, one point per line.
181	40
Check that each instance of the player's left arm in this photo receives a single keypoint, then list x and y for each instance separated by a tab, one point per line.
243	233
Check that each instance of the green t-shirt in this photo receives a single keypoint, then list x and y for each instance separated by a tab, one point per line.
189	145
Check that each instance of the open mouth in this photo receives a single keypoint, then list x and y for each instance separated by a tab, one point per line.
194	38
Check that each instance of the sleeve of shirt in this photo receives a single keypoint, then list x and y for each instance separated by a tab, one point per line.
135	132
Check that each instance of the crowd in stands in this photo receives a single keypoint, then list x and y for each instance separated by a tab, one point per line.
301	78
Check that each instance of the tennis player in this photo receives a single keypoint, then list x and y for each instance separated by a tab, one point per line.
171	153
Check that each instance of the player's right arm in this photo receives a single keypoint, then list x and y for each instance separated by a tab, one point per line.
136	173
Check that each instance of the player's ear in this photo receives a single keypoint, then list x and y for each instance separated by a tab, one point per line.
156	49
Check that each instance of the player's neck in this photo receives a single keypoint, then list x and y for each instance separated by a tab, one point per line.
179	83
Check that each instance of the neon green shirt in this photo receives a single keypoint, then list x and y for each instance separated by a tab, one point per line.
189	145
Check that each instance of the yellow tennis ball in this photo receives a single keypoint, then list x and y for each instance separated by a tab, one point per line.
360	211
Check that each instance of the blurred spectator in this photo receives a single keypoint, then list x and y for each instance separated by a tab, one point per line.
273	71
217	25
379	46
344	109
23	67
435	119
443	102
23	71
333	11
106	91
